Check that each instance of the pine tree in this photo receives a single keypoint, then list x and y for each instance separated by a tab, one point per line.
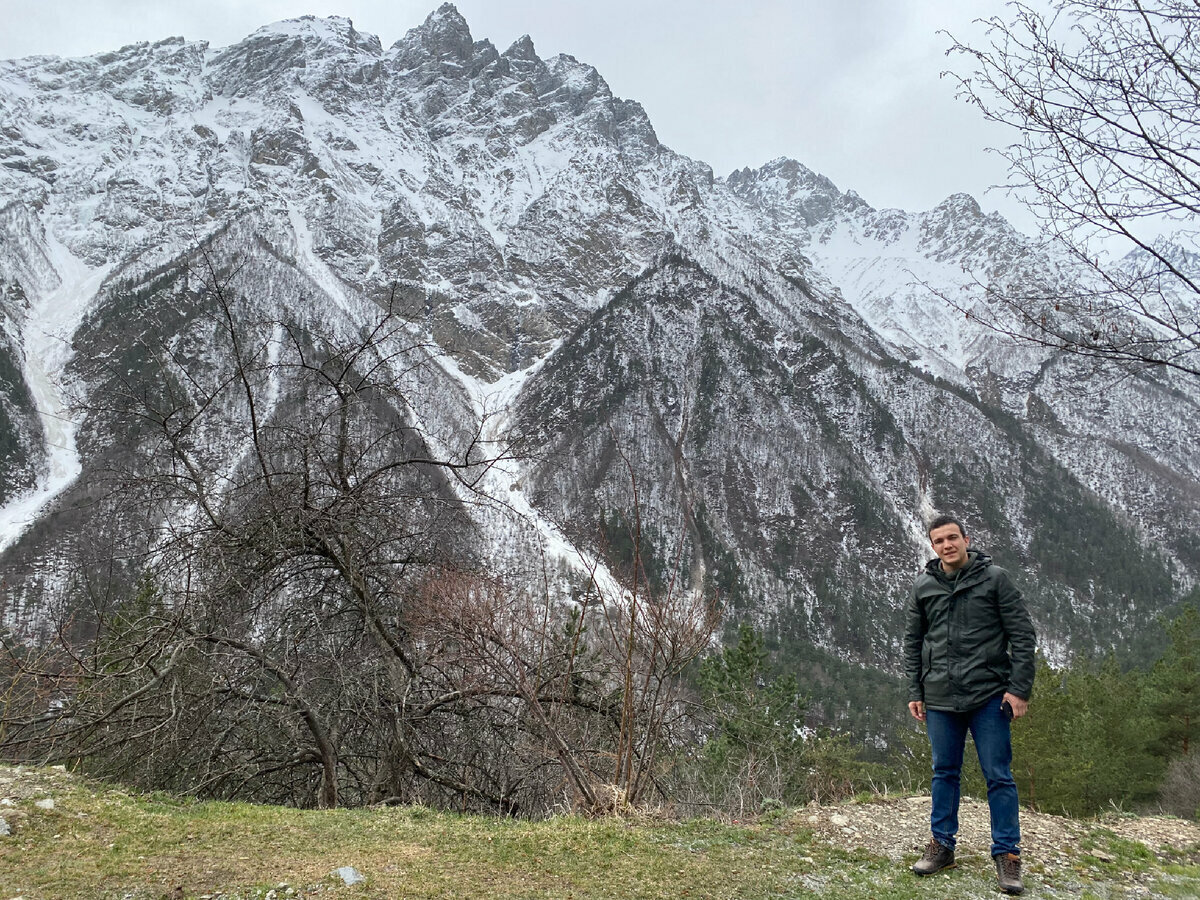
1087	741
1175	687
1038	739
756	718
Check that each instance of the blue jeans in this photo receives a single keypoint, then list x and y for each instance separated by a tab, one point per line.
993	742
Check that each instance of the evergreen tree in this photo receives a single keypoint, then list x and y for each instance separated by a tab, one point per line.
1086	742
1038	740
755	745
1112	727
1175	687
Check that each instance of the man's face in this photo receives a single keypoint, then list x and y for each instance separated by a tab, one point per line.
950	544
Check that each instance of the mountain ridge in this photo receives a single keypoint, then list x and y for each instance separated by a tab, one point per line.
514	211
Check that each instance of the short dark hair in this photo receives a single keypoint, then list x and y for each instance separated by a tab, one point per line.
942	520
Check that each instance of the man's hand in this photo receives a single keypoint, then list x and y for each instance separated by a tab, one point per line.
1019	706
917	708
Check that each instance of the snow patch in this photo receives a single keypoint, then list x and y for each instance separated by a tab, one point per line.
53	319
315	268
494	403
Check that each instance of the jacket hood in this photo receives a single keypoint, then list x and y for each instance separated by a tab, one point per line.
976	559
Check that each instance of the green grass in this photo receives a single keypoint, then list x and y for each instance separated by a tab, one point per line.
1116	855
100	841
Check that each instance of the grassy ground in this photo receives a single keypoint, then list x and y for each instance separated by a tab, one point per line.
102	842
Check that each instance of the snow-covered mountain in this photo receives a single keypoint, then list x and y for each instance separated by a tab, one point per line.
768	354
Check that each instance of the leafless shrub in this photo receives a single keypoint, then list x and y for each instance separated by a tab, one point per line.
1180	791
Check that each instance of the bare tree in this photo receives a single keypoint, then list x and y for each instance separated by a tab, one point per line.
310	626
654	631
591	688
286	506
1105	97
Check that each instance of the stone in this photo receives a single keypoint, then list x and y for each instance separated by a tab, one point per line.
350	875
45	803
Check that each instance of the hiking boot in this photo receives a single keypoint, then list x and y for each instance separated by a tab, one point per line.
1008	873
936	857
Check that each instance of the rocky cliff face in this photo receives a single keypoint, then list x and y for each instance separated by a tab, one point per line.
766	354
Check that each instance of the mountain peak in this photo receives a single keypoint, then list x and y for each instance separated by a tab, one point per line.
308	50
446	12
522	48
796	174
785	184
444	35
961	203
338	31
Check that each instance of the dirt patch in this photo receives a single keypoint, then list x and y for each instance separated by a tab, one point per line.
1057	849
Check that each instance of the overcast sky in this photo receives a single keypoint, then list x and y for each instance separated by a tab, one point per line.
851	88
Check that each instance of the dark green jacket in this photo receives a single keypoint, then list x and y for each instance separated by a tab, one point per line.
967	636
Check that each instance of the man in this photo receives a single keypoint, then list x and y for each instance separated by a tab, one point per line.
969	662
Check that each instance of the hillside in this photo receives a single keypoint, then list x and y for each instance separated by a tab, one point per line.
96	841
